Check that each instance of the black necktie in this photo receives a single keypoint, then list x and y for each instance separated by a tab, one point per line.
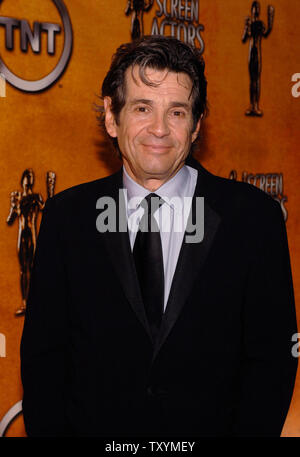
148	259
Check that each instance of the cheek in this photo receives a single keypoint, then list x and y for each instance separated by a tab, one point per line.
183	137
128	139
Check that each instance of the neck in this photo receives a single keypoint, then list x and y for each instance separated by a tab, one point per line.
152	183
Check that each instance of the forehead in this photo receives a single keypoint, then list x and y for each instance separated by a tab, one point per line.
162	83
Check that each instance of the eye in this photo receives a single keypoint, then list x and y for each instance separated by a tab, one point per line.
178	113
142	109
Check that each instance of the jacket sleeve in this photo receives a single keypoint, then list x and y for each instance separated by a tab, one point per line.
44	340
269	322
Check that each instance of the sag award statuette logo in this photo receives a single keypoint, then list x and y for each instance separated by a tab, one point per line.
137	8
27	35
176	18
26	205
255	30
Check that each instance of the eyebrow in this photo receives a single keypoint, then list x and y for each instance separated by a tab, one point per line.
174	104
135	101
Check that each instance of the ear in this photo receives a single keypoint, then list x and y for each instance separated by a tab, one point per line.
110	123
196	131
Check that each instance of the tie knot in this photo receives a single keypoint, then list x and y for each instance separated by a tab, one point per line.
151	203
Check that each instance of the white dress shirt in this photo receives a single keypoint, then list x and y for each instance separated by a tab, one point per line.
171	217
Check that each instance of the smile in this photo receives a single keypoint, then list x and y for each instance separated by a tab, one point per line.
156	147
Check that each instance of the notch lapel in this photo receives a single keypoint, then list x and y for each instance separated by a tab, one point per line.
119	252
191	261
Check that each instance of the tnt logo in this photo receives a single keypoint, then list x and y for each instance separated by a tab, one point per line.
2	345
32	36
29	36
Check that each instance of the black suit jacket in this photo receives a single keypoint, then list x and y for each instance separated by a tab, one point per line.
222	365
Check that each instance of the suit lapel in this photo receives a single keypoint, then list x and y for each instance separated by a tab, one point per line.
119	253
191	261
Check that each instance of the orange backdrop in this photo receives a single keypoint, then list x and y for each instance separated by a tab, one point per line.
57	130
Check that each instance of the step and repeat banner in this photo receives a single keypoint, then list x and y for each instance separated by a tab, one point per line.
54	55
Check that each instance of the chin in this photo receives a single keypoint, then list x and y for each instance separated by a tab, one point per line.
158	171
157	165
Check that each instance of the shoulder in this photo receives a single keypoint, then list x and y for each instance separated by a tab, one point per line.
246	212
74	210
241	194
86	192
238	199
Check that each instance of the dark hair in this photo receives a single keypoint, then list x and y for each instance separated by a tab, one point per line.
157	52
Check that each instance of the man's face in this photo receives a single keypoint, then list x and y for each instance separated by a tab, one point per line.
155	128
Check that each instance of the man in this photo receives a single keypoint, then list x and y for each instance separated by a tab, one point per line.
145	331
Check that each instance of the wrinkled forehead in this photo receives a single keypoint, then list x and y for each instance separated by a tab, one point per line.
142	78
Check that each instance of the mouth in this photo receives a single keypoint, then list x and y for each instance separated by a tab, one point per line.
157	147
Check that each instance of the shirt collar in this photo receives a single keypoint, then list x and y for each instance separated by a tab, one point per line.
175	187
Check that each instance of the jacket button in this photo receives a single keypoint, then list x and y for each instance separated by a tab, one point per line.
156	391
150	391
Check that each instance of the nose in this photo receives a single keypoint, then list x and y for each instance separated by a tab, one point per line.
159	125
